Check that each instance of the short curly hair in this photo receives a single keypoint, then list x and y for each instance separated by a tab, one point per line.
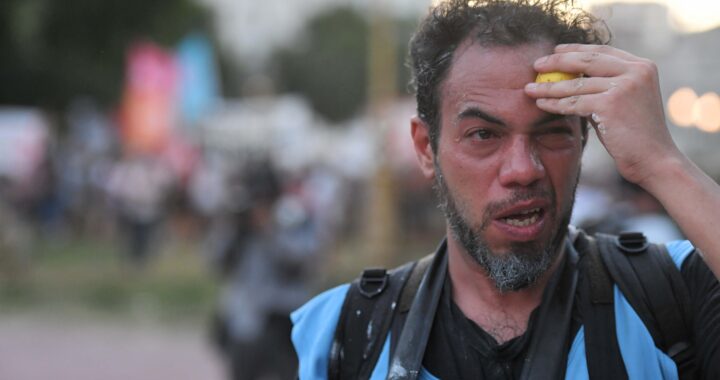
489	23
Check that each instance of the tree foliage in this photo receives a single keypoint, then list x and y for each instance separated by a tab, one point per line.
55	50
328	62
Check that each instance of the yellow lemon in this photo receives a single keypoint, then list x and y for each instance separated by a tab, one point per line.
555	76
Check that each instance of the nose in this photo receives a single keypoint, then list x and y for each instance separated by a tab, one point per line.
521	165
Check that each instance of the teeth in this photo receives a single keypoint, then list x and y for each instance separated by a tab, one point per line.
524	221
529	211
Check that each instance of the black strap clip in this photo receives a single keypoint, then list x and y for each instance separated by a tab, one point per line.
679	350
373	281
632	242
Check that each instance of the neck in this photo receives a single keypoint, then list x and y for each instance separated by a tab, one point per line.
504	315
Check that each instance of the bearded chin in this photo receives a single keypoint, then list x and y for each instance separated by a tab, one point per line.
524	263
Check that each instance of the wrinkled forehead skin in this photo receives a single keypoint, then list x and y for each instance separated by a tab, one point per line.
492	78
492	75
500	60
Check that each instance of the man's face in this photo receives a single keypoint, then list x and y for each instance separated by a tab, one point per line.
505	170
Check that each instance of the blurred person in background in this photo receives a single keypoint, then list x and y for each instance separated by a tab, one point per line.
627	208
138	187
84	165
513	291
207	190
42	198
640	211
15	234
265	253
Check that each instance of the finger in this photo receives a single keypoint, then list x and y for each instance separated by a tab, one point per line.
602	49
592	64
565	88
580	105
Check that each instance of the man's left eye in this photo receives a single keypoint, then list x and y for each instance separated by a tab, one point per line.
556	137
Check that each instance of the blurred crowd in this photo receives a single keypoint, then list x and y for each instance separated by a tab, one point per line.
264	229
261	229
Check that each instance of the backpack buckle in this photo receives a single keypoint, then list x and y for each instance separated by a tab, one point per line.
632	242
373	281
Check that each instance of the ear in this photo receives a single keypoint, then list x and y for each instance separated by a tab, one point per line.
421	141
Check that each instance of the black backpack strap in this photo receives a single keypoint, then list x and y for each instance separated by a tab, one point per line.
367	314
407	359
408	293
406	298
596	303
653	285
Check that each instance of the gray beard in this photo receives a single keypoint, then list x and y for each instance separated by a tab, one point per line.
525	263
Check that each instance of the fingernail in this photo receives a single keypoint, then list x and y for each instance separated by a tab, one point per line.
532	86
562	46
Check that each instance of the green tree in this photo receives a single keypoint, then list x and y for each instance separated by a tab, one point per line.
328	62
57	50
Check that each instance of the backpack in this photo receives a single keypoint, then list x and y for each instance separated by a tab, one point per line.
378	301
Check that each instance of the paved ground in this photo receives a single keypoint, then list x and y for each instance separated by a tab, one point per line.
41	348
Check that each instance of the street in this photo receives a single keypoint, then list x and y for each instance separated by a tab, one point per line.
39	348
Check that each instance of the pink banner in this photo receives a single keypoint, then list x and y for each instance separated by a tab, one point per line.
148	107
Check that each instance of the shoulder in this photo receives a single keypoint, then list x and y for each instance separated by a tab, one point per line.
313	330
701	282
679	251
321	303
696	274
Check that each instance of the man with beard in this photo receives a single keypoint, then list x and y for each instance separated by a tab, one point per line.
503	296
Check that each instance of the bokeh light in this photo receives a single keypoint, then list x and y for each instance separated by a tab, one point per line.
680	106
706	112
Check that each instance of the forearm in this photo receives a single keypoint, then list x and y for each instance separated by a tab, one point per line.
692	199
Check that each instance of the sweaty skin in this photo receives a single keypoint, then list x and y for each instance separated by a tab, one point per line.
501	156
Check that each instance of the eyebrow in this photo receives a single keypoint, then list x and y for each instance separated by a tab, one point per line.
474	112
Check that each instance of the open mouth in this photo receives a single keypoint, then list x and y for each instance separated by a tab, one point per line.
524	218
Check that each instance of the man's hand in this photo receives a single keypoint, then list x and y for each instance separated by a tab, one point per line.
620	94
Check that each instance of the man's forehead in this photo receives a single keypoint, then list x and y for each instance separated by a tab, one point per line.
472	110
493	79
496	67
